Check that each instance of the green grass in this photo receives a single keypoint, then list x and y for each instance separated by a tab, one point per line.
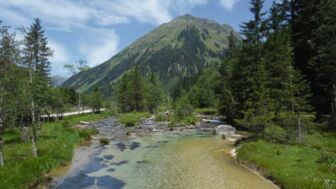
56	143
132	119
295	166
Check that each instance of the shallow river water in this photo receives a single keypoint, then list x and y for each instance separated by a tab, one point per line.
184	160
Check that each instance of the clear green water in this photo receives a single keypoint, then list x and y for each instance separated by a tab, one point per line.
163	161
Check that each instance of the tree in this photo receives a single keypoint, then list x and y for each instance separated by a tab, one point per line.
305	22
96	100
123	94
79	66
153	94
136	90
36	54
249	58
324	63
7	59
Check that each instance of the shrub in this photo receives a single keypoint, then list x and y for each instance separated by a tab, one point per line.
86	133
206	111
329	159
276	134
161	117
104	141
132	119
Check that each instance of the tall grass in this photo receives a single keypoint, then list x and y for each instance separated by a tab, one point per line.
56	143
295	166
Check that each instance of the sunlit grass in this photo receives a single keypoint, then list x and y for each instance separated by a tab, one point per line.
56	143
295	166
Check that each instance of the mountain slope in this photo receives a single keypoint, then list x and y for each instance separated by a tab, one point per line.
176	49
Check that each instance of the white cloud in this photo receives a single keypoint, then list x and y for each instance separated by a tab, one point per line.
60	57
93	21
8	17
148	11
58	13
228	4
99	46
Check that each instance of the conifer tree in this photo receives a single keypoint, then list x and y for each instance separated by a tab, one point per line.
36	54
153	94
96	100
324	63
136	90
7	102
123	94
244	78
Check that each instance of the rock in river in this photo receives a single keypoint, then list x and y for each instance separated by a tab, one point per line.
225	129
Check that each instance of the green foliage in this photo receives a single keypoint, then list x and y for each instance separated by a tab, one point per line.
160	117
132	119
183	112
104	141
55	148
276	134
206	111
202	93
95	100
135	93
183	108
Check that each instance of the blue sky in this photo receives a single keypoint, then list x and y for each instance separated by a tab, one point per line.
95	30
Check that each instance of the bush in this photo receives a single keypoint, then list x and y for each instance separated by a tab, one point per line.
206	111
86	133
329	159
276	134
161	117
132	119
104	141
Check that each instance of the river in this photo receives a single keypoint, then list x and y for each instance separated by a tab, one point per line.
192	159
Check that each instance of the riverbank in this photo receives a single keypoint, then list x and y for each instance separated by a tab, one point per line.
152	156
56	144
311	165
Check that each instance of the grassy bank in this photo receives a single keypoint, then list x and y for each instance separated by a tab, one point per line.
55	146
312	165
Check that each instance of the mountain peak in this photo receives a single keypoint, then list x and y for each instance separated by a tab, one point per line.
180	48
186	17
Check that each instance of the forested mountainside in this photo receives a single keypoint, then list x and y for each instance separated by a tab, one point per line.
180	48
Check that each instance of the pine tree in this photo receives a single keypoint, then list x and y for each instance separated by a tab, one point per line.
305	22
223	89
153	92
244	73
136	90
324	63
278	58
36	54
123	94
96	100
7	60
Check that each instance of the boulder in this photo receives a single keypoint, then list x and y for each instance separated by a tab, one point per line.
225	130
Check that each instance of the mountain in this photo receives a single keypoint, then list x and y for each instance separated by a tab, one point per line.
180	48
57	80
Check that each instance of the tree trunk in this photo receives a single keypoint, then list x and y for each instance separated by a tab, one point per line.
1	127
299	128
334	106
33	138
1	137
33	126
